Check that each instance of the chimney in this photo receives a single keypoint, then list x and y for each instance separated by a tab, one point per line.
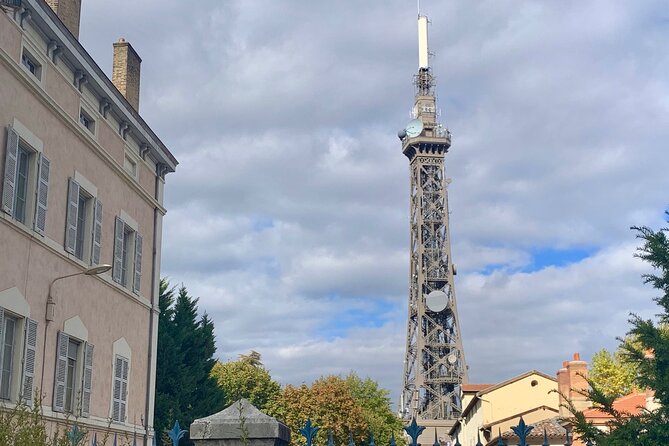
125	73
69	12
572	382
563	388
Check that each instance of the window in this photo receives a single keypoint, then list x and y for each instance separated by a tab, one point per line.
30	63
127	256
21	195
8	341
71	373
26	183
120	390
18	345
130	166
83	232
86	120
72	384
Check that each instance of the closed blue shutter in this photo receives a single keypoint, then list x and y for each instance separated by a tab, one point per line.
29	355
87	380
61	373
42	194
97	234
71	220
138	263
9	183
119	228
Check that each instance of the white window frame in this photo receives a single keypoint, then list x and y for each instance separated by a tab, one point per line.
22	373
127	268
91	124
83	241
37	184
74	331
28	58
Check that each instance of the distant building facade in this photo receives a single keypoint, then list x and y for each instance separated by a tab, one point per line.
489	410
573	385
81	184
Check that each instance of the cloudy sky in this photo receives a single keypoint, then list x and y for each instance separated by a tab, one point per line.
288	213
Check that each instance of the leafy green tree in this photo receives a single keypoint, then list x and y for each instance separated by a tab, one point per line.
246	378
328	403
612	373
185	389
342	405
375	404
650	354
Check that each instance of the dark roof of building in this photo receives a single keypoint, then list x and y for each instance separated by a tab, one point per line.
551	426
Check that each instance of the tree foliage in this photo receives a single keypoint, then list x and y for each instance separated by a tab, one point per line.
342	405
612	373
246	378
650	355
185	389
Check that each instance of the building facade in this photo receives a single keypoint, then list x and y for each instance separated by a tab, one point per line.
489	410
81	183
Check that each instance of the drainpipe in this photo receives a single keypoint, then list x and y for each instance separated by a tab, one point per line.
155	290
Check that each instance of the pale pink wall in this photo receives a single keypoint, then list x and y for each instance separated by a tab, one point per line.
108	312
10	39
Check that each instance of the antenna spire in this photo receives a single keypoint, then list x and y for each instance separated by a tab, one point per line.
423	51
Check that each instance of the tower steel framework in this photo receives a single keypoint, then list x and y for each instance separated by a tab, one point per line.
434	366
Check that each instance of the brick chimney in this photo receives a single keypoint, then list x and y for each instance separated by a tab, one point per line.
572	382
69	12
125	73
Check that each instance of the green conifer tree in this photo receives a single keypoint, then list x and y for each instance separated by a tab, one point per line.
650	354
186	346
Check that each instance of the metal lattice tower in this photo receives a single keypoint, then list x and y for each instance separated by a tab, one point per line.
434	366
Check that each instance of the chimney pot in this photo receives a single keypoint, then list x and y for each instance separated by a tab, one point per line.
577	356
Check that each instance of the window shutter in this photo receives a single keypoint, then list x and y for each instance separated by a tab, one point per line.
10	171
97	233
124	389
116	393
87	380
138	262
42	194
71	221
119	233
61	372
27	386
2	335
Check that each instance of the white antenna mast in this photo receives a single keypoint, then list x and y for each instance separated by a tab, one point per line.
423	52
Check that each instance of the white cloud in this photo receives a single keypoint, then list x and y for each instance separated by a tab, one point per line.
288	214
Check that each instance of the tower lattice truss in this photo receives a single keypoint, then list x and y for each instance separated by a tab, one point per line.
434	366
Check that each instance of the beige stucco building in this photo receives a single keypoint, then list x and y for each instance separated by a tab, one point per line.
492	409
81	183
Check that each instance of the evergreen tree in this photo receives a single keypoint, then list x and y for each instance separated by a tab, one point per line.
185	389
650	354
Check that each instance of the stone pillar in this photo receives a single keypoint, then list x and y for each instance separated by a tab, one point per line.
240	424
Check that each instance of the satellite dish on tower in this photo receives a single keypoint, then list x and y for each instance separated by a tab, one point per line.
414	128
436	301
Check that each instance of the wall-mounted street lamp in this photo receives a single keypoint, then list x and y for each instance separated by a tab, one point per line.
51	305
92	271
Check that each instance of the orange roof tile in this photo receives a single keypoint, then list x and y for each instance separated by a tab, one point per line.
627	405
475	387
